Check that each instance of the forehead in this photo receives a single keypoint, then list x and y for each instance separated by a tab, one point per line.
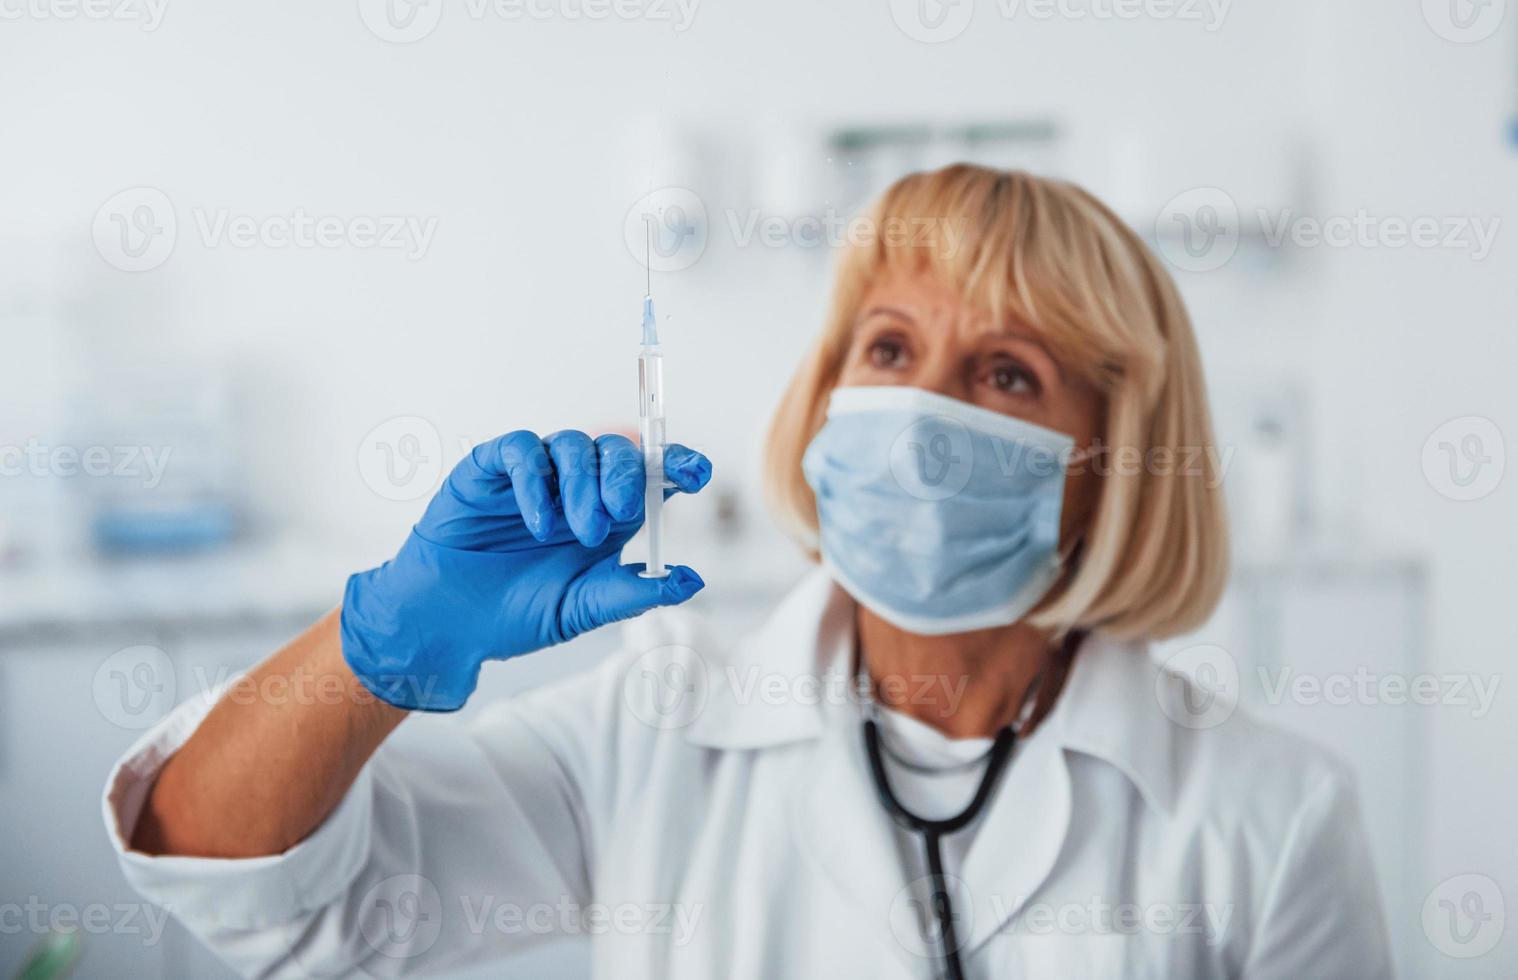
925	300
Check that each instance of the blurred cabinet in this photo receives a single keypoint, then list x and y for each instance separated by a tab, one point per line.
56	748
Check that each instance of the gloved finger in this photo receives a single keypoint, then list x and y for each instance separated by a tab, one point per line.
525	462
687	469
609	592
575	459
621	477
481	475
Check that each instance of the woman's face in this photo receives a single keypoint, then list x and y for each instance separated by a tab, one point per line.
913	330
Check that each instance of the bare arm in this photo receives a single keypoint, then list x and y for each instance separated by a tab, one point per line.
272	759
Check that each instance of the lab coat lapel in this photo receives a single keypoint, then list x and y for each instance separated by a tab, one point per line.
1108	711
836	819
1019	839
842	832
839	829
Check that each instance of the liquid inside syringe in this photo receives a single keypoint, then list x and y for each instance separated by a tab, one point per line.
651	437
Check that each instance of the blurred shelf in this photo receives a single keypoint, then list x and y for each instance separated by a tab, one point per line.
251	585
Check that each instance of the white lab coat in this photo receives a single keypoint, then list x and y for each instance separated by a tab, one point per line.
706	811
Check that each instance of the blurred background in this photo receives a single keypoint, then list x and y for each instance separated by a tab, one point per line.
267	271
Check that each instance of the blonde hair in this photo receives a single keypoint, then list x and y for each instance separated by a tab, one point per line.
1153	560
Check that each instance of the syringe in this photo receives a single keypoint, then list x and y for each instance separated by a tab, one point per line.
651	435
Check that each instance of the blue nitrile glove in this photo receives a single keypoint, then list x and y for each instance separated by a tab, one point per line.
517	551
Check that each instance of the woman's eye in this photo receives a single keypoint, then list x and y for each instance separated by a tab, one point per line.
886	353
1013	379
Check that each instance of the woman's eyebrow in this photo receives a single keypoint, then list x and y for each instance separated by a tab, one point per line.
891	311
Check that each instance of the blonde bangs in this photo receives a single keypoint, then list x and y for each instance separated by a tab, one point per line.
1048	256
1041	253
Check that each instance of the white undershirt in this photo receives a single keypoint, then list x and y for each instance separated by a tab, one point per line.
937	794
933	795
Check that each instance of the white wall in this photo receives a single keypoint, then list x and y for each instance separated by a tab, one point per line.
1412	340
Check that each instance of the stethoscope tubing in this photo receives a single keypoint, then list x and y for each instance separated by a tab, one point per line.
933	831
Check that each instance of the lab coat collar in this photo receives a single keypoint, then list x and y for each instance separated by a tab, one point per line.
776	685
1108	710
1113	709
839	826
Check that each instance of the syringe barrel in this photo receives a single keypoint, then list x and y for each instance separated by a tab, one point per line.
651	437
650	383
653	527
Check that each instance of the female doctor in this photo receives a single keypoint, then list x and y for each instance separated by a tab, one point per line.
947	752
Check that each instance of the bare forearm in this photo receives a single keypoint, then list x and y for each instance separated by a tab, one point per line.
272	759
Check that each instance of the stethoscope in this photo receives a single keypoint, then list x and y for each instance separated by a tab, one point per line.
934	831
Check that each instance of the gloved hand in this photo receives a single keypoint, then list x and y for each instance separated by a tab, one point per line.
517	551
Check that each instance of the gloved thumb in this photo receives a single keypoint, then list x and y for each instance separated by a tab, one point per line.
609	592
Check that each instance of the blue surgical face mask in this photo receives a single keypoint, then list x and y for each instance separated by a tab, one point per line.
936	515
